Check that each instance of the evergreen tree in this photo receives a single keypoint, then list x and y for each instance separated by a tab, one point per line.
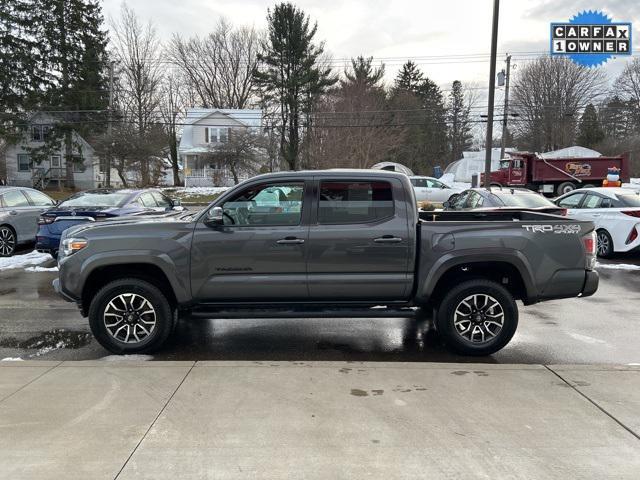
589	131
363	74
459	126
409	79
291	74
73	54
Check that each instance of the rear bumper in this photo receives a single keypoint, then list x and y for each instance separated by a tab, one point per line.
47	241
590	283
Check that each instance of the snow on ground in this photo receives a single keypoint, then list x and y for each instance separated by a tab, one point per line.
26	260
617	266
41	269
12	359
197	190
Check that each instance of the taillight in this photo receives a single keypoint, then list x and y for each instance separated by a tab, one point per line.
634	213
632	236
589	244
45	220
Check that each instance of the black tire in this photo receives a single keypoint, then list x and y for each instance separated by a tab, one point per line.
8	241
131	289
565	187
446	318
604	244
588	185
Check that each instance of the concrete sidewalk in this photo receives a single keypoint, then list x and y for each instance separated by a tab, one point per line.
317	420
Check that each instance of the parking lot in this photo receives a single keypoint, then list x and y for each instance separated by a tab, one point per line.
602	329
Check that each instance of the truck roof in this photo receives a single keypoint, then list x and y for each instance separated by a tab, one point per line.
332	173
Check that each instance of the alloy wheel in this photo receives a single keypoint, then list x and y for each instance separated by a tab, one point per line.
7	242
478	318
603	245
129	318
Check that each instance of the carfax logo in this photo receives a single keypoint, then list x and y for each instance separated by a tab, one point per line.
591	38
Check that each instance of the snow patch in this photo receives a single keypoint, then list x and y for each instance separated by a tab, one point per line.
618	266
121	358
41	269
21	261
12	359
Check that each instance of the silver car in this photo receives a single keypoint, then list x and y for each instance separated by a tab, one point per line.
20	208
429	189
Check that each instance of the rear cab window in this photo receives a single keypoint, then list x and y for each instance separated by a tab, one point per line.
348	202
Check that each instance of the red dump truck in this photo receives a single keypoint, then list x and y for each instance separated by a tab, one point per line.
555	175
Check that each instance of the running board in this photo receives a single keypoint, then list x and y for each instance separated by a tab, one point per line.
302	312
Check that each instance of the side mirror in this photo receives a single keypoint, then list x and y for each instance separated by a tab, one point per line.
444	187
447	204
215	217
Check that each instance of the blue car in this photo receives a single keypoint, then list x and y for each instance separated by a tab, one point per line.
96	205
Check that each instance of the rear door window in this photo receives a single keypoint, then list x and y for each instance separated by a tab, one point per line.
592	201
39	199
354	202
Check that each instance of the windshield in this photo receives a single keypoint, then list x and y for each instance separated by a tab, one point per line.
526	200
630	199
97	199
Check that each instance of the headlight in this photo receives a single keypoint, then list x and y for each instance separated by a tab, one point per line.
73	245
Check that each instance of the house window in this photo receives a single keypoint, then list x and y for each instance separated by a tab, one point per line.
24	162
103	165
217	135
55	161
39	133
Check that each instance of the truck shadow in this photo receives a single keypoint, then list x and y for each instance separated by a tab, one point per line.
343	339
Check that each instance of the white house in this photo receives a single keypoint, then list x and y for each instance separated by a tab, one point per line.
205	128
20	169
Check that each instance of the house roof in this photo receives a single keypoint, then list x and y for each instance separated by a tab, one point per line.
251	118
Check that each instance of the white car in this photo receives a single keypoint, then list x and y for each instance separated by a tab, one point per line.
615	212
430	189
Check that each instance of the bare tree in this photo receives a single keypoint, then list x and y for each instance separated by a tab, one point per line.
219	66
548	95
172	111
243	153
137	50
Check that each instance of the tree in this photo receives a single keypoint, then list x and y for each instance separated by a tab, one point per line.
459	125
137	50
172	111
290	73
548	93
420	107
72	56
243	153
363	75
219	67
589	131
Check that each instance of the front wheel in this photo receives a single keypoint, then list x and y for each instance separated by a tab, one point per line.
130	316
477	317
7	241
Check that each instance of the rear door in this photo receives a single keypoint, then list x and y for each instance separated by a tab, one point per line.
259	253
21	214
359	241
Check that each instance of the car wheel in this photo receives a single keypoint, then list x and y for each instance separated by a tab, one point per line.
7	241
565	187
477	317
604	244
130	316
588	185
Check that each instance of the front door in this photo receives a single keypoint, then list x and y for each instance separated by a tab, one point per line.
359	242
517	172
259	253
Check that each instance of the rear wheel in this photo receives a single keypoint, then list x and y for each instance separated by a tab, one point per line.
565	187
7	241
478	317
588	185
130	316
604	244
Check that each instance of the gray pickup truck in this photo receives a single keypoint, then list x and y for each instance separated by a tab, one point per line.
323	243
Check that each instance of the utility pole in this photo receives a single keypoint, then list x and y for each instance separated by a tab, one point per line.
109	128
492	83
506	107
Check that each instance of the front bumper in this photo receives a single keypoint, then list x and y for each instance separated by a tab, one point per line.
58	289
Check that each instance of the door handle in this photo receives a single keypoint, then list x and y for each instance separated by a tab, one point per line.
290	241
387	239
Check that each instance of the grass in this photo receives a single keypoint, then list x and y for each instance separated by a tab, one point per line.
59	195
191	198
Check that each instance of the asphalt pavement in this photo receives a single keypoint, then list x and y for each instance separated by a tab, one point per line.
602	329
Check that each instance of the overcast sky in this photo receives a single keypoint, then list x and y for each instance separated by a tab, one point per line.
398	30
